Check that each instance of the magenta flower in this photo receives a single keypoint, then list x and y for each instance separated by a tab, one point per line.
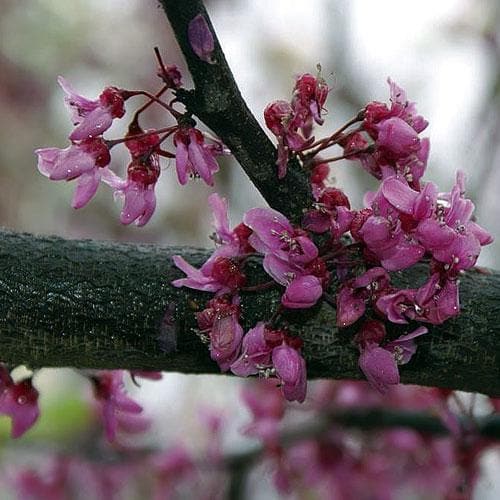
287	255
309	97
280	119
221	273
332	213
354	294
92	118
395	248
404	347
397	148
291	372
397	137
302	292
19	401
201	39
419	204
85	161
273	234
379	366
379	363
437	300
398	306
226	337
255	352
118	411
434	302
193	156
451	237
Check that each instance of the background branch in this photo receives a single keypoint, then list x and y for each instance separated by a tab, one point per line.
93	304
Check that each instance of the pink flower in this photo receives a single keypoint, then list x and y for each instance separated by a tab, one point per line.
19	401
309	97
201	39
437	300
404	109
171	467
434	302
236	238
450	236
395	248
221	273
273	234
280	119
138	191
379	367
379	363
193	156
255	352
226	336
85	161
118	411
354	294
291	372
302	292
404	347
139	202
92	117
198	279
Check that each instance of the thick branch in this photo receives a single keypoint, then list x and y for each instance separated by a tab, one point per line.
106	305
217	101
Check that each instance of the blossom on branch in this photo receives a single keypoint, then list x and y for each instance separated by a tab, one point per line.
92	118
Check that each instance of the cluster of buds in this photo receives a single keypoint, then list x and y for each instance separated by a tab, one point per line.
88	157
292	122
405	222
291	259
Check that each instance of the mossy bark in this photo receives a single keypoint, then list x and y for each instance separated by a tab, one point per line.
94	304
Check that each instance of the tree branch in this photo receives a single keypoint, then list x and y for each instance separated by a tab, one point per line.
105	305
217	101
367	419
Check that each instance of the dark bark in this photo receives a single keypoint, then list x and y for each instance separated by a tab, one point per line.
96	304
217	101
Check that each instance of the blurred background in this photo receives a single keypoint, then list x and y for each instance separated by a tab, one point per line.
445	54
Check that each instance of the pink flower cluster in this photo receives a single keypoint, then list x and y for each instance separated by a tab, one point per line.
291	122
310	448
289	258
405	222
389	139
334	463
88	157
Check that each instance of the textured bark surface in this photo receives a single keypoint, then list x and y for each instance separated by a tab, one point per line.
107	305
